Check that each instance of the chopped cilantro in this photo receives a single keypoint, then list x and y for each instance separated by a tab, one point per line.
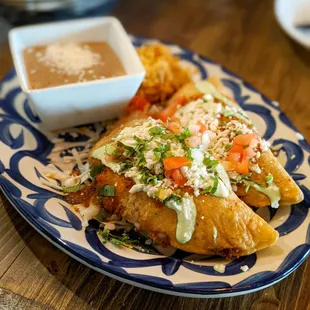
124	239
160	152
107	191
71	189
140	161
246	177
125	165
129	150
168	154
173	198
141	141
210	163
188	154
168	136
155	214
130	240
185	134
228	147
147	177
228	113
238	133
215	185
206	190
156	131
269	178
102	215
223	123
247	187
112	150
95	170
233	180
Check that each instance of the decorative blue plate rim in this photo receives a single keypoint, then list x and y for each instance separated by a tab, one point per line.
199	289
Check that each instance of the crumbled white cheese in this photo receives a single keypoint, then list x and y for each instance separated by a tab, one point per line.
151	160
275	103
197	177
219	268
136	188
256	168
199	110
132	173
244	268
141	131
208	97
71	58
299	136
177	149
264	145
197	155
194	129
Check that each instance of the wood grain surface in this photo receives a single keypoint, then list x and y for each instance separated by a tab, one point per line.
243	36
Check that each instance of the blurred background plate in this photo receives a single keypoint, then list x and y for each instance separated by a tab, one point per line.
20	12
284	12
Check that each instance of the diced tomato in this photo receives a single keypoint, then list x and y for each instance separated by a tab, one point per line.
193	141
254	142
178	177
228	165
137	103
168	174
234	157
248	153
243	167
236	149
175	162
109	158
245	139
174	126
172	108
202	126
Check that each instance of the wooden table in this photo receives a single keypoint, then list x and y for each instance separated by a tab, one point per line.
240	34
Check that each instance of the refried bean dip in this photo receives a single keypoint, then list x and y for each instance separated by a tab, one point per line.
60	64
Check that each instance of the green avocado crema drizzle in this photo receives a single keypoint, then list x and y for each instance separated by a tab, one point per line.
272	191
186	213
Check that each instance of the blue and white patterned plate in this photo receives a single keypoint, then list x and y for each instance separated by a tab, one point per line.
25	149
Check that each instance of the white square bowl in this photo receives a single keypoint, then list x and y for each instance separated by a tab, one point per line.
79	103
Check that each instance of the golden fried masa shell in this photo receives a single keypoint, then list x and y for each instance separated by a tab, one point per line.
224	226
289	190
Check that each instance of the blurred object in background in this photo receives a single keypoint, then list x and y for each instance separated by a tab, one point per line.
294	18
19	12
301	13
